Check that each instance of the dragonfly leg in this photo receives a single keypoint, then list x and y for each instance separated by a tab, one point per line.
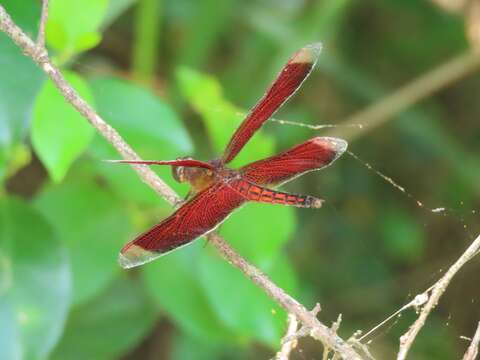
182	201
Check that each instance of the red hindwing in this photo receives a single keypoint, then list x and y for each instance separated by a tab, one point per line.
198	216
311	155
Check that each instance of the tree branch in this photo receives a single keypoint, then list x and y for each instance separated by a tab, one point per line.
40	56
43	24
438	289
472	350
287	344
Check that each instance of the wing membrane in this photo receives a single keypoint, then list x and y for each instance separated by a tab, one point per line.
288	81
198	216
311	155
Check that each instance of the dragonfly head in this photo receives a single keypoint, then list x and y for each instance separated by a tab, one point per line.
199	178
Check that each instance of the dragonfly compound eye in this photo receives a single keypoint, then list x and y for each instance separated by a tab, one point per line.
178	173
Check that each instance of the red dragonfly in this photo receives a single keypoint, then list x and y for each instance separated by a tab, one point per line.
219	190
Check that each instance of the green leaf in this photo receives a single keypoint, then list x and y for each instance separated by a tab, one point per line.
21	80
88	40
34	283
148	124
173	283
145	118
240	304
221	118
59	133
72	34
93	226
265	237
108	326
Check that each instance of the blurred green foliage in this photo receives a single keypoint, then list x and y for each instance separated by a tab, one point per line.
70	35
18	88
155	128
71	139
196	68
36	282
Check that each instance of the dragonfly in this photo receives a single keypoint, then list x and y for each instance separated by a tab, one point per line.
218	190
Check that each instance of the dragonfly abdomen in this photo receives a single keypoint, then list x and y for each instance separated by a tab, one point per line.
258	193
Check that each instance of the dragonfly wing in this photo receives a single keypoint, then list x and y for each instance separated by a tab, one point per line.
288	81
313	154
198	216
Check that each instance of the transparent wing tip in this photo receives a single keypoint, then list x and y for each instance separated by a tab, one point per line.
308	54
338	146
133	255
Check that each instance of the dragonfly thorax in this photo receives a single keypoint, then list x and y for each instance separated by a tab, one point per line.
199	178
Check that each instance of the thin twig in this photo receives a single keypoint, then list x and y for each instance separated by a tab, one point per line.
288	345
43	24
304	330
356	342
406	96
472	350
335	326
319	331
439	288
417	302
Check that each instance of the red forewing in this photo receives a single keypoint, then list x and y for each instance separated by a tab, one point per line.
310	155
287	82
195	218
